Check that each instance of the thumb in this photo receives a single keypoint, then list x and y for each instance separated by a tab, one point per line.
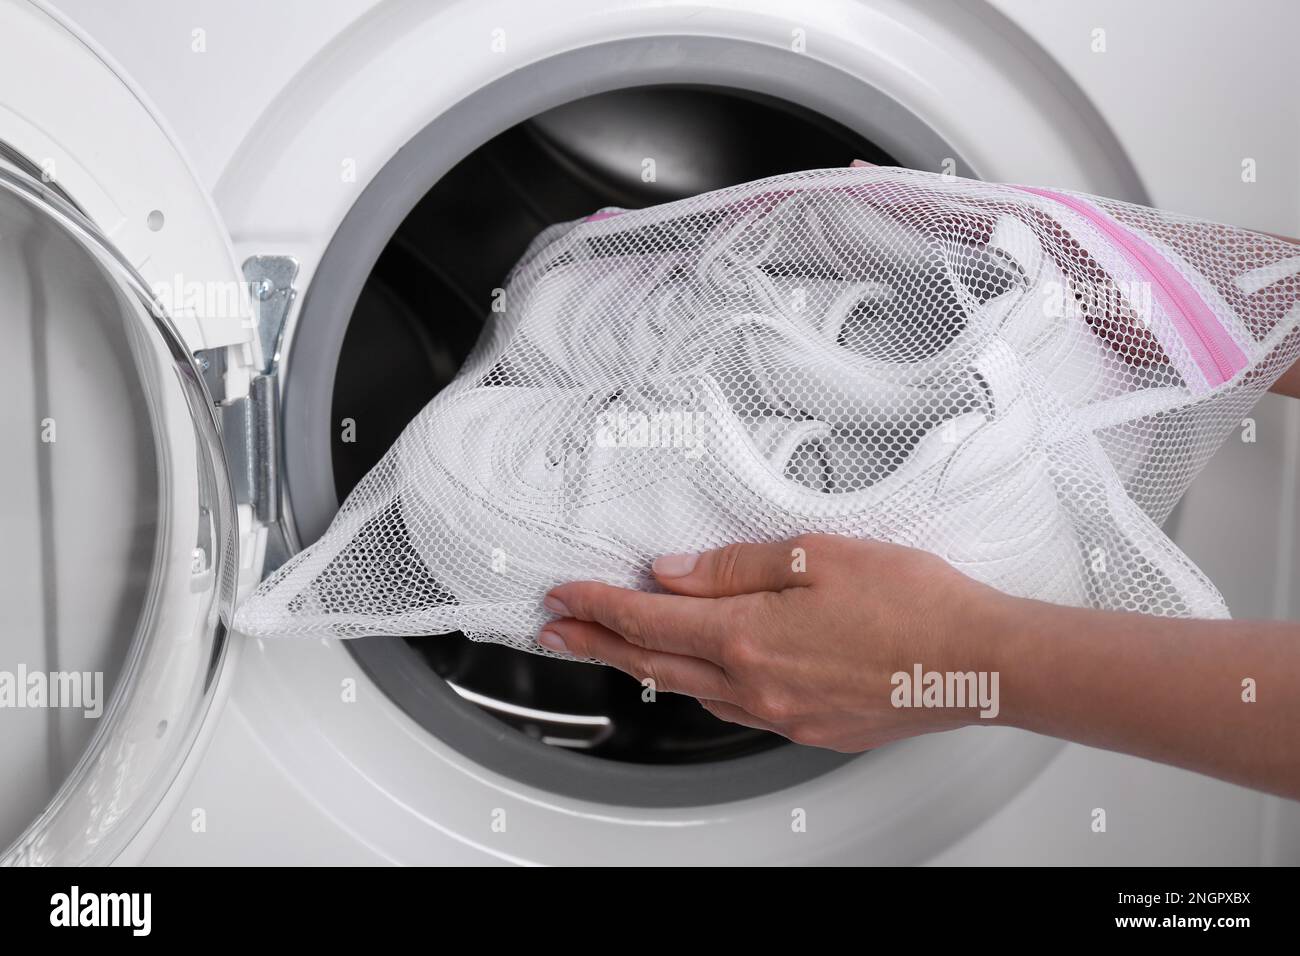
735	569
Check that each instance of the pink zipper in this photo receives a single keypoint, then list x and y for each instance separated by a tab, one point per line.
1217	356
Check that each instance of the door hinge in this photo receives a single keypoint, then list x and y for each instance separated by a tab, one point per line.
250	424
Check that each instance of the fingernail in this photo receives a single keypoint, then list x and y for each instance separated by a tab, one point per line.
555	606
552	641
675	565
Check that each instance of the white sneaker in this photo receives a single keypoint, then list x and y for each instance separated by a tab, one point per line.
1041	319
617	483
611	493
506	492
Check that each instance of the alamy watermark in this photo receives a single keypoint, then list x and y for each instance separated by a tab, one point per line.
955	689
75	908
672	428
205	299
73	690
1080	300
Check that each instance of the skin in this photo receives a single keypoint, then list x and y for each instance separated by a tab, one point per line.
810	654
1289	383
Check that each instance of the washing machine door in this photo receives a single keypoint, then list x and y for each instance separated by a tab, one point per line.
120	553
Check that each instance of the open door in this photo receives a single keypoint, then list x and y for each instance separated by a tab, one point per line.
119	555
119	559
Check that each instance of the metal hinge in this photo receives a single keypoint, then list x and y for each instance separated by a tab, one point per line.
250	424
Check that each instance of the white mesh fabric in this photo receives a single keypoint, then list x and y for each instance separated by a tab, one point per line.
1022	382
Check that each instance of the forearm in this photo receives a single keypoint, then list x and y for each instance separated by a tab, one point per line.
1289	383
1166	689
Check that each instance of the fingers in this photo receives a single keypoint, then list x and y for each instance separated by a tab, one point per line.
689	626
672	673
736	569
734	714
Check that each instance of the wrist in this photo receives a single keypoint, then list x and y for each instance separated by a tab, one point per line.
1007	630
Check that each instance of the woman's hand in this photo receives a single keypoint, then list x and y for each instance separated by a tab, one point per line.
804	638
800	637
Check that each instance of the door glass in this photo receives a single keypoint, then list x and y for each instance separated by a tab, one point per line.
118	555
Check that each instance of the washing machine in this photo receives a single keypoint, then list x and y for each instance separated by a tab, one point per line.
243	243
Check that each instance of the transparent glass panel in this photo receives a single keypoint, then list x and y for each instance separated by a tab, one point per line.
118	553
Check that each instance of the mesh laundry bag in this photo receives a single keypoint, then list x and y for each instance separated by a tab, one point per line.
1022	381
